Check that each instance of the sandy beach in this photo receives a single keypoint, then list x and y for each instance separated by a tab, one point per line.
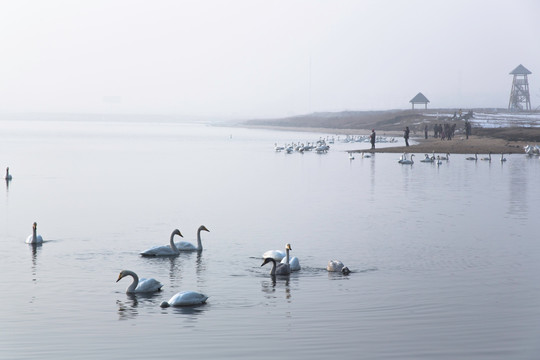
498	139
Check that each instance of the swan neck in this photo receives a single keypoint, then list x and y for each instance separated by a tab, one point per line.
273	271
199	242
287	256
172	244
135	282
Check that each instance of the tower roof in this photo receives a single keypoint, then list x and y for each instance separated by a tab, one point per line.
419	98
520	70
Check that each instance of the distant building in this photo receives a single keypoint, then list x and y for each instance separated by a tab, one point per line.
419	99
519	95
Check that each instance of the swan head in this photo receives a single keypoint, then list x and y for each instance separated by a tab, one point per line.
164	304
122	274
177	232
345	271
203	228
267	260
288	247
34	226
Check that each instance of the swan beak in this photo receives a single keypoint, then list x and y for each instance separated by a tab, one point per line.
120	277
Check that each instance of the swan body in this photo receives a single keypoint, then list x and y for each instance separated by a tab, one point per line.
186	246
8	175
185	298
487	158
364	155
35	238
140	286
503	159
427	158
351	156
337	266
294	263
164	250
277	255
447	157
475	157
406	161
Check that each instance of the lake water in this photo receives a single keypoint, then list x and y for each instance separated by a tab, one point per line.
445	259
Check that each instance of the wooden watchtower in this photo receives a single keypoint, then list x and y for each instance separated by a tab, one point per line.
519	95
419	99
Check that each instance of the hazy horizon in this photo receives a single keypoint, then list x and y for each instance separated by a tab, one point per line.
254	59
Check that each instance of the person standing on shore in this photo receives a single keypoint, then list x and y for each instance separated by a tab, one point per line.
372	139
406	135
425	132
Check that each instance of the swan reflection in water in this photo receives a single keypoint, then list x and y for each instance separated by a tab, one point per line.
35	249
128	309
269	286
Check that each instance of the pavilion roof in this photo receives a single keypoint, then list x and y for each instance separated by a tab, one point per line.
520	70
419	98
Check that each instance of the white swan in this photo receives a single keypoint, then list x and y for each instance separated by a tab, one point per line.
447	157
293	262
407	161
164	250
281	268
186	246
487	158
364	155
185	298
475	157
337	266
351	156
140	286
503	159
35	238
8	175
427	158
277	255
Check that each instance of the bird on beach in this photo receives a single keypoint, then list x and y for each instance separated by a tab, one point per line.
140	286
186	246
34	238
164	250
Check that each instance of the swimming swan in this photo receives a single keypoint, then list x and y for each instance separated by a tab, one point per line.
35	238
281	268
164	250
140	286
407	161
475	158
487	158
276	270
186	246
337	266
294	263
503	159
185	298
8	175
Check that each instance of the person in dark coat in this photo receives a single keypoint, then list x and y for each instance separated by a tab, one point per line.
406	135
372	139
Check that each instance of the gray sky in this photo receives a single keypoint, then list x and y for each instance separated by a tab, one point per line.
250	58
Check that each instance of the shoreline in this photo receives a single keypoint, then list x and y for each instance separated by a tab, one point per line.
476	144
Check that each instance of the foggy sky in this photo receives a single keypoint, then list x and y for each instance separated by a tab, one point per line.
254	59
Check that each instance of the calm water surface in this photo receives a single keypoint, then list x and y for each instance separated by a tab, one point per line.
445	259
